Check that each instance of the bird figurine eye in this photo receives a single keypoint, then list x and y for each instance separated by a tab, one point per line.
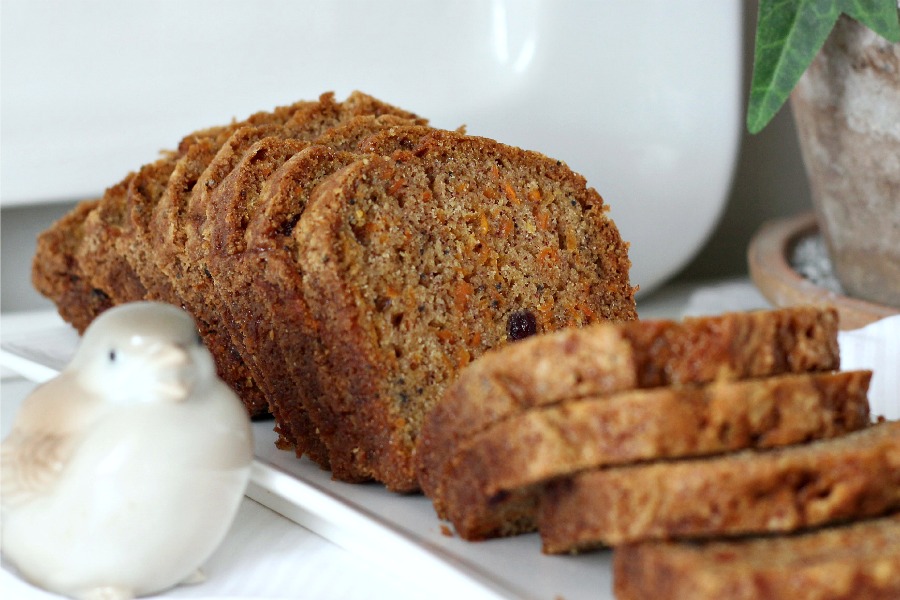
112	355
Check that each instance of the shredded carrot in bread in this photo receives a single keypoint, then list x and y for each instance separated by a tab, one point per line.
548	256
511	194
396	185
461	294
542	219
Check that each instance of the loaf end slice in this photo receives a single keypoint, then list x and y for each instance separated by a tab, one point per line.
55	272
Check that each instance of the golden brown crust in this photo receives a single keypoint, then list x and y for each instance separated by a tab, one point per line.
492	483
856	561
421	259
782	490
611	357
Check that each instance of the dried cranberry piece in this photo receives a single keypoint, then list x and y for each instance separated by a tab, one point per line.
520	325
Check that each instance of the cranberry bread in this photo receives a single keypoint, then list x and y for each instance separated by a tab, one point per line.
775	491
415	264
494	480
854	561
613	357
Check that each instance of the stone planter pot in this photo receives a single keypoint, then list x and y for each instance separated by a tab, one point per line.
847	110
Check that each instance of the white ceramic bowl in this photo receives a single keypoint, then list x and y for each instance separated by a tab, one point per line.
640	96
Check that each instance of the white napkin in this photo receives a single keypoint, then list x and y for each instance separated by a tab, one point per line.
876	347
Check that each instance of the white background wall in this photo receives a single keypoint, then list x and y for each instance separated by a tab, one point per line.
768	181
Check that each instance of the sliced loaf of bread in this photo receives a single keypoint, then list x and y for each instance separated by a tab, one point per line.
414	264
250	218
775	491
610	357
181	237
493	483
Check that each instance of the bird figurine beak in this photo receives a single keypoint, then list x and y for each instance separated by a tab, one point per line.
177	378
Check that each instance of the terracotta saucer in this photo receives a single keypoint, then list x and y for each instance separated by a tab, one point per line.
770	269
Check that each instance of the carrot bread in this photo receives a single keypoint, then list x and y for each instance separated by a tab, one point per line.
103	249
234	268
388	255
179	233
492	485
276	281
782	490
55	272
856	561
252	265
415	264
95	253
265	283
233	198
613	357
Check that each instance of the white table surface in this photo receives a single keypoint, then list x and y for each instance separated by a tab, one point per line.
266	555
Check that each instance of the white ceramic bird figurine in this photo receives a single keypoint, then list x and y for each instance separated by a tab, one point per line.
123	474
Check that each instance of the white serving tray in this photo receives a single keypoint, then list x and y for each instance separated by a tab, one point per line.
401	533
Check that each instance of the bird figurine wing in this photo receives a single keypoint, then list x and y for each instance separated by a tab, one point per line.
31	464
43	438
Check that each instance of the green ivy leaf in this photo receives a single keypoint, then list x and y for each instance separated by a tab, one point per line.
789	34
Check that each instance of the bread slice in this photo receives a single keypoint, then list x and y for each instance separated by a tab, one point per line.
607	358
230	204
175	176
96	255
104	248
853	561
155	204
113	251
416	264
278	281
252	215
56	274
180	231
493	482
782	490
